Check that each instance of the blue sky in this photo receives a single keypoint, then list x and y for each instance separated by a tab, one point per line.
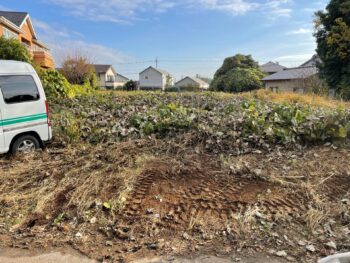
188	36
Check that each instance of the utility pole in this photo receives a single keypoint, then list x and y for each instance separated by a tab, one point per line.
156	62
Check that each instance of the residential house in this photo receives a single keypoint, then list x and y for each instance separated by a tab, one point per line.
192	82
155	78
271	68
312	62
108	78
293	79
120	80
19	25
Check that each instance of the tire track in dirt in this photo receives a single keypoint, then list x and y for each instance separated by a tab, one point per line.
178	197
336	186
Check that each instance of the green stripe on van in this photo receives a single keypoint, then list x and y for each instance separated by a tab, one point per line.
34	117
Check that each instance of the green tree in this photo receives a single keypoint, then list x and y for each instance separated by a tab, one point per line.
333	45
12	49
237	74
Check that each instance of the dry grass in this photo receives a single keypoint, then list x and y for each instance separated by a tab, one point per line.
305	99
244	223
266	95
74	181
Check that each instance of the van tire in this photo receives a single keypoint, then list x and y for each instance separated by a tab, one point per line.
25	141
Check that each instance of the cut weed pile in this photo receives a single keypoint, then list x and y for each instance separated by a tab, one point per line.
159	174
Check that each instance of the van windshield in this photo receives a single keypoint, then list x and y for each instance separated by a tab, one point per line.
16	89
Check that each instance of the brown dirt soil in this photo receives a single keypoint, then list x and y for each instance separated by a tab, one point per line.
166	202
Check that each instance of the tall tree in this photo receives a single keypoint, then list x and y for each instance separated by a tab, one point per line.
12	49
237	74
333	45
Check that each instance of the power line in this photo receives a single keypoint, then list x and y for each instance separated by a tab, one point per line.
157	61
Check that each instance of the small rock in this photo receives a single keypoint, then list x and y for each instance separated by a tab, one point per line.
79	235
301	243
258	172
281	253
149	211
109	243
186	236
258	214
311	248
331	244
93	220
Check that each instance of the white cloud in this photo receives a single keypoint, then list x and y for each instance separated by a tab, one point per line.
117	11
125	12
235	7
64	42
300	31
98	54
277	8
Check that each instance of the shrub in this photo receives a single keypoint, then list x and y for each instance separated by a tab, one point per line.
55	84
12	49
130	85
172	89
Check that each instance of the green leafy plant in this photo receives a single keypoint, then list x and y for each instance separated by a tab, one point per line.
54	83
12	49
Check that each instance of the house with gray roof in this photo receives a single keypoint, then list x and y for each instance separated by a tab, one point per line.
19	25
108	78
271	68
155	79
292	79
312	62
192	82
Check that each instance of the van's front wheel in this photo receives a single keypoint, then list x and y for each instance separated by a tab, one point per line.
25	144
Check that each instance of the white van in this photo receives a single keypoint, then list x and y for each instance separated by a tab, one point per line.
24	114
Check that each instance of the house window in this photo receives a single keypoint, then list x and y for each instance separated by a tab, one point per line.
146	77
110	78
9	34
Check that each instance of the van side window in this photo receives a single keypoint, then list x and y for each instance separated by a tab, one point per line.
16	89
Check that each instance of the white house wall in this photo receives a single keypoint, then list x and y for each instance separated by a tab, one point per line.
102	79
151	78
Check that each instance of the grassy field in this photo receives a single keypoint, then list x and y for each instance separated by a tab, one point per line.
135	174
